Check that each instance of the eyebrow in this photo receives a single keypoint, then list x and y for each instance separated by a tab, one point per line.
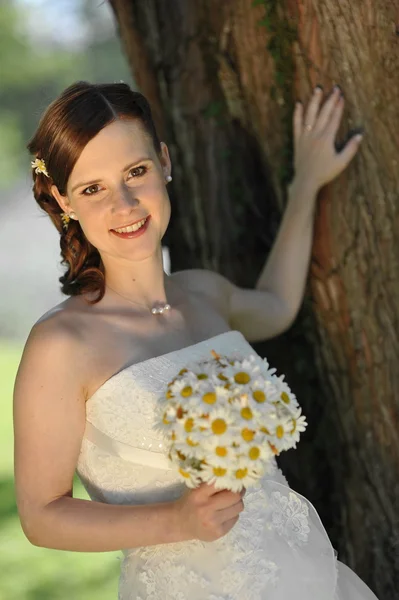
130	165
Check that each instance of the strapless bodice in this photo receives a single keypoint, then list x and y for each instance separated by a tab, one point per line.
122	459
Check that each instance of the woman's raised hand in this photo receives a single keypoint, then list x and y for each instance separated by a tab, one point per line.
206	513
316	159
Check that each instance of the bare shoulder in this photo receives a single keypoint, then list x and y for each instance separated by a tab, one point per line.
55	339
57	327
214	286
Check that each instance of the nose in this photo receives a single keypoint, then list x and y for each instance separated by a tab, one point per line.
124	199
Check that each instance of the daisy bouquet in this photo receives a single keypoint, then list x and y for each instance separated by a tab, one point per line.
224	419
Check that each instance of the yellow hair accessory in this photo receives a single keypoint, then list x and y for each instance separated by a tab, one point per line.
40	166
65	218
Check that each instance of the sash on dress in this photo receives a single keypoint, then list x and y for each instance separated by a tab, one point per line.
139	456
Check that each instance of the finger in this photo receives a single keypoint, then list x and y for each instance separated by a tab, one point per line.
327	109
313	107
225	499
206	490
335	118
231	511
350	149
229	525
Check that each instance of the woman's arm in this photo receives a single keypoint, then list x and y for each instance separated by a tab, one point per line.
316	163
271	307
49	422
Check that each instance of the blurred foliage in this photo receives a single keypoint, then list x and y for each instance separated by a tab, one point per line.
28	572
34	70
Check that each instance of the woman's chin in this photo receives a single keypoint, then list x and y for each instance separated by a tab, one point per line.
141	252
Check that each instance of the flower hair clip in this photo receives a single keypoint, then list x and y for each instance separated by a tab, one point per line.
40	166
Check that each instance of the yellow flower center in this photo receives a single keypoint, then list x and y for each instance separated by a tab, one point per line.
241	473
222	377
265	430
189	424
246	413
202	376
165	420
219	471
285	397
247	435
294	427
184	473
173	436
180	455
190	442
259	396
169	394
187	391
279	431
209	398
242	377
254	453
221	451
219	426
183	371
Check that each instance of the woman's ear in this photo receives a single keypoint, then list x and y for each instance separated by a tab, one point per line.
62	200
165	160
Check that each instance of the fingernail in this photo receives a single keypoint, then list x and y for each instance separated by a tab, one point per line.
359	137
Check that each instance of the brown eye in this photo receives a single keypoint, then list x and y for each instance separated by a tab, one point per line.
91	187
138	171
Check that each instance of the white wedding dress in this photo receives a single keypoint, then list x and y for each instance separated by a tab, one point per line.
278	549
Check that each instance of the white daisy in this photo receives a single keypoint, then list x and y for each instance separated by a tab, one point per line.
258	450
219	453
184	387
220	422
191	448
220	477
244	474
276	431
299	425
191	477
285	395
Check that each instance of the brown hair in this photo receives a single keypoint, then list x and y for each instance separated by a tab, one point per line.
68	124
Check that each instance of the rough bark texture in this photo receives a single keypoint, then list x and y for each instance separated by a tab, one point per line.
222	78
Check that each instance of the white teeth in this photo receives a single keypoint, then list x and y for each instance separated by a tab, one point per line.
131	228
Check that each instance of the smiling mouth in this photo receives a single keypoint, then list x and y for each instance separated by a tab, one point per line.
133	227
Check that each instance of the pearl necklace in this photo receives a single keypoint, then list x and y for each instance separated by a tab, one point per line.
159	309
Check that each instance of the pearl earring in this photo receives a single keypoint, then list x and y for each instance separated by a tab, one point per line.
73	215
168	178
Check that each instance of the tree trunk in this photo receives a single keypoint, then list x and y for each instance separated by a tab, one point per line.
222	78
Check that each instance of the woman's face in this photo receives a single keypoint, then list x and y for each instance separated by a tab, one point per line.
117	189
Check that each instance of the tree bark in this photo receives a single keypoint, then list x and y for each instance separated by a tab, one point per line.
222	78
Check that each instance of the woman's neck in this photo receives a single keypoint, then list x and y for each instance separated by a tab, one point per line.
143	282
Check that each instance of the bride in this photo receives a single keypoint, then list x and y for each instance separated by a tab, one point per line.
94	366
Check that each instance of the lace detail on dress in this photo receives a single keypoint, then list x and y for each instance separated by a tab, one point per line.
168	577
290	518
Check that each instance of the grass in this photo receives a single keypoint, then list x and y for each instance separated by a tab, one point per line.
28	572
